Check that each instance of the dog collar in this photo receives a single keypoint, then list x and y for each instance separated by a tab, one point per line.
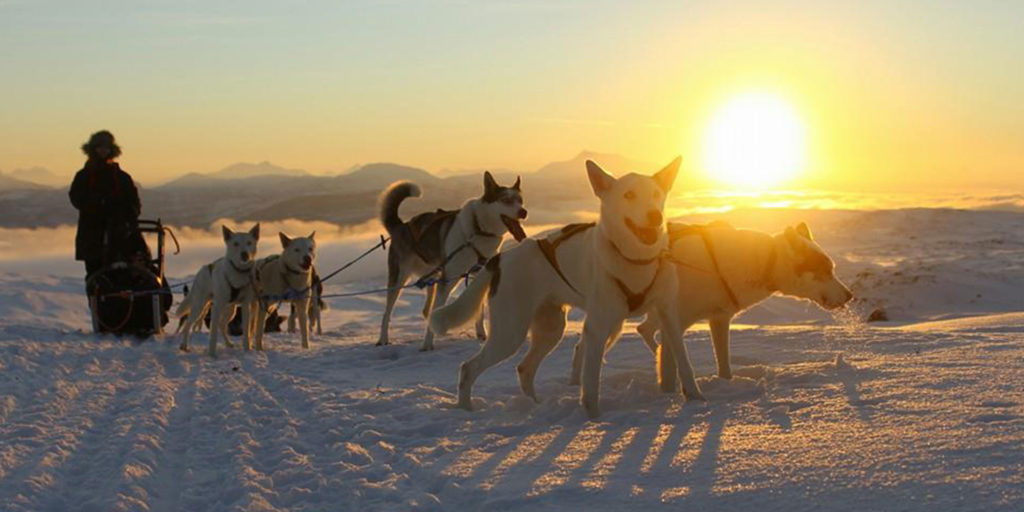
634	261
291	270
240	270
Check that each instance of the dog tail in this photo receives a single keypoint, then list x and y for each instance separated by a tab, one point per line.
466	307
183	307
391	198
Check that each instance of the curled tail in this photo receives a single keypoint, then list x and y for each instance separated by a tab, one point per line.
466	307
391	198
184	306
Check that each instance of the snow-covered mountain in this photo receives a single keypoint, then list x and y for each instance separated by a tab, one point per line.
265	191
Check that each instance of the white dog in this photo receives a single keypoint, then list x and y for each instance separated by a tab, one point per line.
224	284
456	239
723	271
612	270
287	276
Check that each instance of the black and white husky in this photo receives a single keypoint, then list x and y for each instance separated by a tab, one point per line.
456	239
613	270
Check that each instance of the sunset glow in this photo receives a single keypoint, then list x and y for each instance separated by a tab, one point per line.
754	140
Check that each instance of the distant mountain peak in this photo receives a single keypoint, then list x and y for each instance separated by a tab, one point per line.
249	170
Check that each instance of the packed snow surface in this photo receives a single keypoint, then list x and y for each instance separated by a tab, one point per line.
922	413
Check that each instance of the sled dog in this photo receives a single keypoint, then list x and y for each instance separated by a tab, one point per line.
723	271
456	239
221	286
612	269
287	277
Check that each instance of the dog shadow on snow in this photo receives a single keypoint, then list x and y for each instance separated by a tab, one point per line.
675	458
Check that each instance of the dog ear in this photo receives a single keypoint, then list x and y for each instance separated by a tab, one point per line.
312	236
792	237
804	231
227	233
490	185
255	232
600	181
667	176
491	188
285	241
515	186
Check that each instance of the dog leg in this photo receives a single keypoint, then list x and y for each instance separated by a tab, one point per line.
303	305
216	322
291	319
720	339
314	316
396	279
481	332
261	326
441	292
428	300
508	332
545	332
597	330
248	313
647	330
577	363
666	367
672	338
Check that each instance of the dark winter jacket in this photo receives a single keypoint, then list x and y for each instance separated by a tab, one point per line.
106	199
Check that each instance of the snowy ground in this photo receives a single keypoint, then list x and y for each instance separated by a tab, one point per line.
923	413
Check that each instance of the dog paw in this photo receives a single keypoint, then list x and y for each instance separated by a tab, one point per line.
183	348
382	343
429	348
229	344
695	395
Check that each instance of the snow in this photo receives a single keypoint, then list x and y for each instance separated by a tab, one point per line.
925	412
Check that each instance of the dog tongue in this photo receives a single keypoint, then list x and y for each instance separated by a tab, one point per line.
514	228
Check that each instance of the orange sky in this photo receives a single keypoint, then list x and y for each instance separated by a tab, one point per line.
894	95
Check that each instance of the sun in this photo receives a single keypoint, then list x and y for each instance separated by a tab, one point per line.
754	140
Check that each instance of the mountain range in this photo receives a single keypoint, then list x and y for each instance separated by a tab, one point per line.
264	191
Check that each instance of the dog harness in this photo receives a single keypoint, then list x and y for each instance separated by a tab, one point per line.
634	300
448	216
290	293
685	230
235	292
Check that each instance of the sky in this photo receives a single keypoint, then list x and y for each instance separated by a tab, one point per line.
892	94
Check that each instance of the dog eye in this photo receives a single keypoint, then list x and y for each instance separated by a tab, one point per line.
235	244
629	195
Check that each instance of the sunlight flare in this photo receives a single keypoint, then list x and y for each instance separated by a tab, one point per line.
754	140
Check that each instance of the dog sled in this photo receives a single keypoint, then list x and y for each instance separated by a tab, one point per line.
129	294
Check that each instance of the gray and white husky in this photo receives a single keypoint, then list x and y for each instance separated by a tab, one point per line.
458	239
221	286
613	270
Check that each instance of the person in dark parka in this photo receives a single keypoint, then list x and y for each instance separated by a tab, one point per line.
107	202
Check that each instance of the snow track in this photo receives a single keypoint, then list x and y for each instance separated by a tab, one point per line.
911	419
